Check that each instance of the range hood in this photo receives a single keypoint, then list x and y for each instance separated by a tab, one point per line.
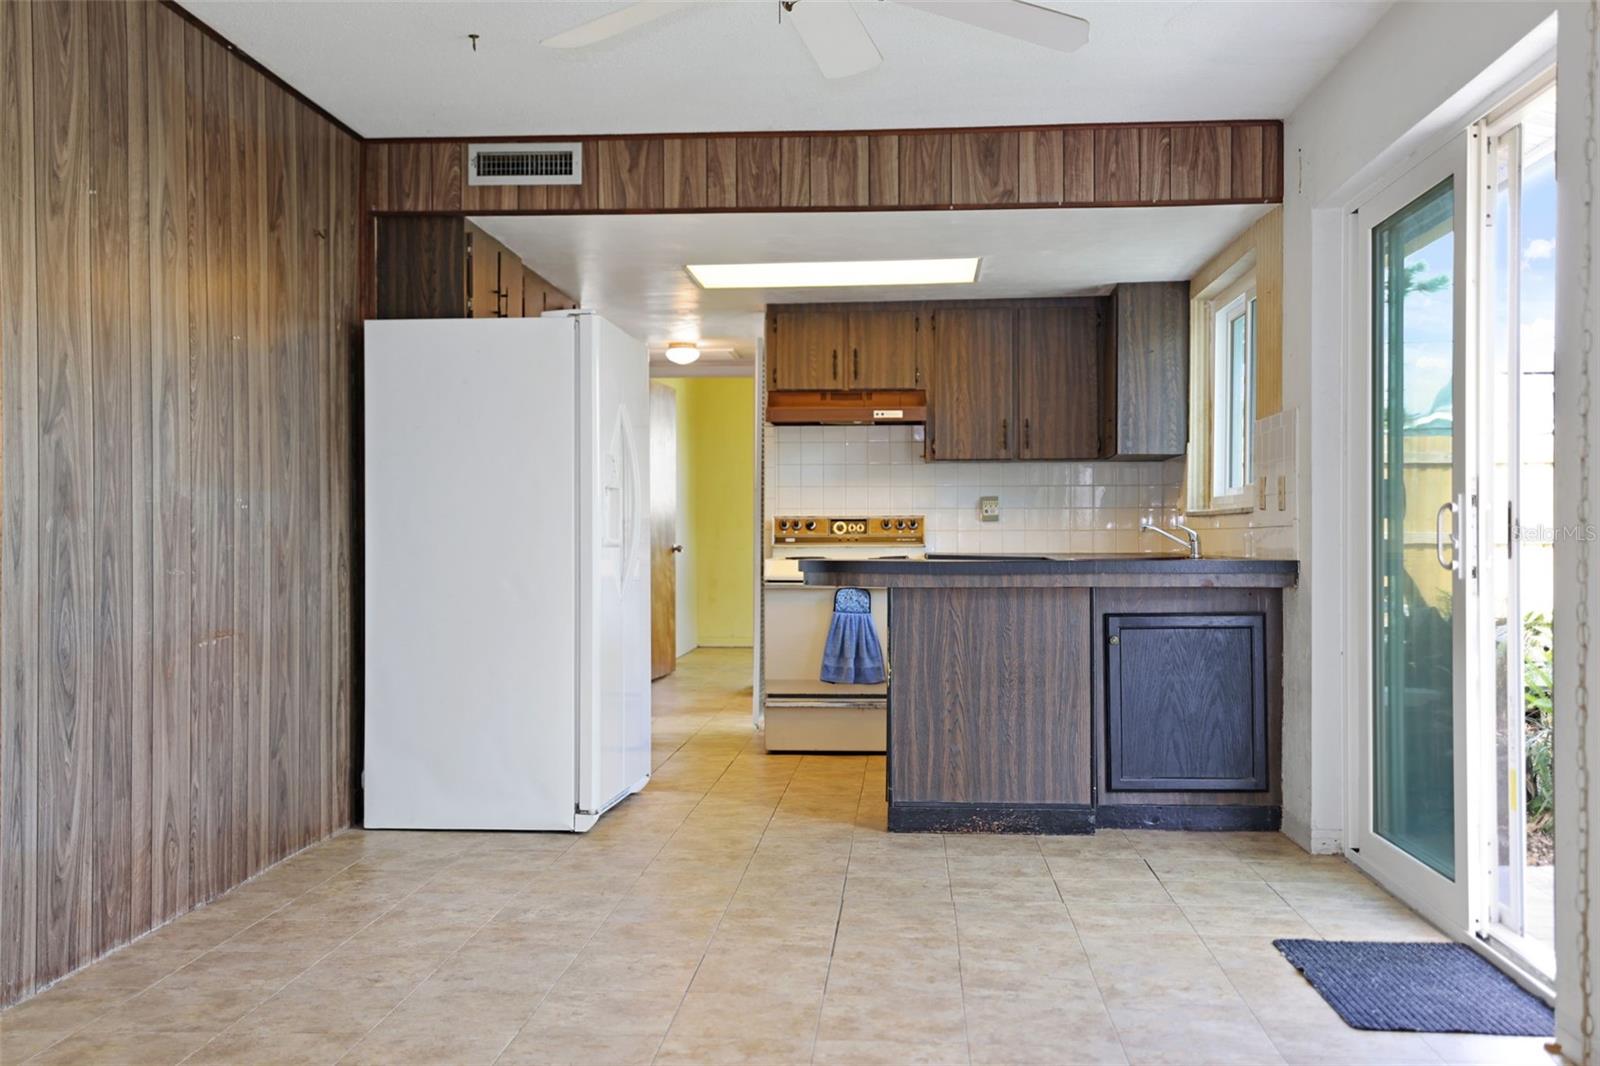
805	407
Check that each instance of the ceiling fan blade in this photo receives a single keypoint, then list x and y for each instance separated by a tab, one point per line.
1014	18
617	22
833	34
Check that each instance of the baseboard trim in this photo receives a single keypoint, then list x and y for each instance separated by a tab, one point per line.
1057	819
1190	817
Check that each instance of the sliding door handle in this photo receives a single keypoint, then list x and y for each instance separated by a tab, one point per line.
1440	540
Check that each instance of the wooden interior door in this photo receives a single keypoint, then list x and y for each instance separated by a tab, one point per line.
885	349
663	530
483	270
511	272
1059	353
970	410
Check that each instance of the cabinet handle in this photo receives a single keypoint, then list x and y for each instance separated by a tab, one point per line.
1005	434
1115	639
855	360
1027	434
836	364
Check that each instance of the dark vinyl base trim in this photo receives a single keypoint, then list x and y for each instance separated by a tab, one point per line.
1186	816
1051	818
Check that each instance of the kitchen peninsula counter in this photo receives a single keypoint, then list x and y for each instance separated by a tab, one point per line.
1061	693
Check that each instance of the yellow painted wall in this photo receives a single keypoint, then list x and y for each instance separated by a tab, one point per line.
716	438
1264	241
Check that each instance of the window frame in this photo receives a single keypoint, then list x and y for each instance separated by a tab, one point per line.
1233	295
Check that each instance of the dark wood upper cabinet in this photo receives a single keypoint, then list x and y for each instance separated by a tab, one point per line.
806	349
886	348
1059	357
436	266
421	267
1046	379
1147	392
1186	702
971	413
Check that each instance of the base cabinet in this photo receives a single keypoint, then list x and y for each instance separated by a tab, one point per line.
1186	702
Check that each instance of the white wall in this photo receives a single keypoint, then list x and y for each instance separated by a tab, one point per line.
1573	127
1418	75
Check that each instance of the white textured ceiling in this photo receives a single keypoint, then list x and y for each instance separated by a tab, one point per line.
631	267
398	68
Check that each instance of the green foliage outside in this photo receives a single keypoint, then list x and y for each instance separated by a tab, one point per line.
1538	708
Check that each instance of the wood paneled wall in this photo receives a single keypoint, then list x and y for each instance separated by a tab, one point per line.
1071	166
177	316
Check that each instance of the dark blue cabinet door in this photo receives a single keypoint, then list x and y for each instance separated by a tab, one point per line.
1186	702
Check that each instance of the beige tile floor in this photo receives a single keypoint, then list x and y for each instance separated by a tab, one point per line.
745	908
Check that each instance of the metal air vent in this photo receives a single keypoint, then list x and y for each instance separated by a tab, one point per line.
525	164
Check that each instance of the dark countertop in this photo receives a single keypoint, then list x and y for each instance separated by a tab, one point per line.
964	570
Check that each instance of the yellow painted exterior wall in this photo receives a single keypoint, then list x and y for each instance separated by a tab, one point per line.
716	439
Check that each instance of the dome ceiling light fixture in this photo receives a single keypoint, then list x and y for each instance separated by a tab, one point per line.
682	352
832	31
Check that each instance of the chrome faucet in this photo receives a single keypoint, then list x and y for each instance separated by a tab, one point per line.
1192	543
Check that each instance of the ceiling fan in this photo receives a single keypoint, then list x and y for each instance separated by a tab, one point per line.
835	37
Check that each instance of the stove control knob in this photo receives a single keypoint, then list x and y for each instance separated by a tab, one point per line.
899	523
811	526
913	524
783	523
885	523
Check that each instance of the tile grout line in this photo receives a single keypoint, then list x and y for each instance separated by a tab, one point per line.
718	924
838	917
168	924
442	960
325	955
955	920
654	855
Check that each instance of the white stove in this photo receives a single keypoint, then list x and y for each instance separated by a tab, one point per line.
803	713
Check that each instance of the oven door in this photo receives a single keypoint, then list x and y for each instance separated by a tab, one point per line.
795	628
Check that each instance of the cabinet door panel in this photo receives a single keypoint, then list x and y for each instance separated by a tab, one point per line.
970	409
1186	702
1152	384
806	350
991	695
1059	357
885	350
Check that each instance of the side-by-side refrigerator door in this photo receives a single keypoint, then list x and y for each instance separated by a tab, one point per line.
614	608
471	431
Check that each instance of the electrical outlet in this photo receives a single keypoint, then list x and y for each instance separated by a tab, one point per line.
989	508
1283	492
1261	493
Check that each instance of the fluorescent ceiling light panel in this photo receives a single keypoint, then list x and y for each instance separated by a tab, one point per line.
835	275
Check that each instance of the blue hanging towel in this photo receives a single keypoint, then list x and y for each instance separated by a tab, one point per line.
852	654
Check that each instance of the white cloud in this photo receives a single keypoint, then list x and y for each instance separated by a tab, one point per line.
1537	249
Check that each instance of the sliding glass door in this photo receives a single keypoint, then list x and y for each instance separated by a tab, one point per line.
1517	344
1422	572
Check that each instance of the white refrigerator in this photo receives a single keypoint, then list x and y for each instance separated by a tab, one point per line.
507	572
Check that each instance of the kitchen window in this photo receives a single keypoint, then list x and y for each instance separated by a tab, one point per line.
1222	435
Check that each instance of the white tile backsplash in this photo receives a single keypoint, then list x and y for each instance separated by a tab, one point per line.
1264	532
1044	507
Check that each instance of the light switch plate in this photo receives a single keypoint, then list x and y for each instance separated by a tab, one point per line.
989	508
1261	493
1283	492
